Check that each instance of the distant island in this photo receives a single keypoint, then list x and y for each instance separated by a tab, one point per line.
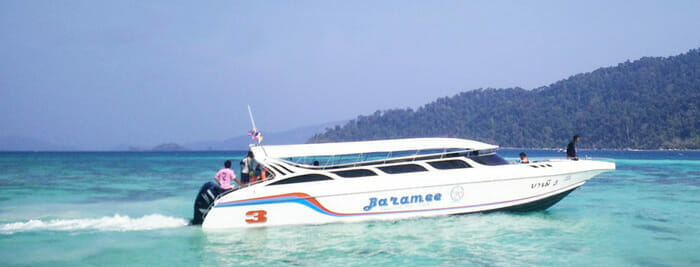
165	147
240	142
650	103
18	143
169	147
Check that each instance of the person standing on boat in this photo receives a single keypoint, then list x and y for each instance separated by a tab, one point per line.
225	175
246	167
571	148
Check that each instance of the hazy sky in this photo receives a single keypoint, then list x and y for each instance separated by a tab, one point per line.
94	74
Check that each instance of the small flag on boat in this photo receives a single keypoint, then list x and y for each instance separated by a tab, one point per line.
255	135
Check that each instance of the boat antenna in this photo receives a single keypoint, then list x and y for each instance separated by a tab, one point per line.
250	113
255	134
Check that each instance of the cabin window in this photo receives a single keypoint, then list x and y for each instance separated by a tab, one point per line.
402	168
347	159
488	159
355	173
431	151
404	153
303	179
449	164
374	156
430	157
398	161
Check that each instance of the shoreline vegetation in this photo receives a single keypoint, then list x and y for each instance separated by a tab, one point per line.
647	104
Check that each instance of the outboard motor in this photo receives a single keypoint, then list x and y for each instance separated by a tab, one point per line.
205	199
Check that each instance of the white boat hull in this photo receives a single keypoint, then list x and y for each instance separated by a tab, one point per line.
450	192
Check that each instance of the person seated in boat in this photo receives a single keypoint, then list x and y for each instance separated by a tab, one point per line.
257	175
258	170
260	174
523	158
246	168
267	174
224	176
571	148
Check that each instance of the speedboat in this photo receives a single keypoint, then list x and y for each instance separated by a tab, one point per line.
388	180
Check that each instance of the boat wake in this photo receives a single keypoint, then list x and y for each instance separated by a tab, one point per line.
114	223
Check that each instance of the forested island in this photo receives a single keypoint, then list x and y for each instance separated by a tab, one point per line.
650	103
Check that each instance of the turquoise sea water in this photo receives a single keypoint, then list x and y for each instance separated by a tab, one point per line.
133	208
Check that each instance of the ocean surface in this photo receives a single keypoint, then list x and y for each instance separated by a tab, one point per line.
117	209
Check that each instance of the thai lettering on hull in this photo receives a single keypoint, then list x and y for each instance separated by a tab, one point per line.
403	200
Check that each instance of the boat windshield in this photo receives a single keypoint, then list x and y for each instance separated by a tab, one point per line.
489	158
335	160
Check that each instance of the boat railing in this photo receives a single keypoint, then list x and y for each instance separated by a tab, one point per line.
373	158
539	160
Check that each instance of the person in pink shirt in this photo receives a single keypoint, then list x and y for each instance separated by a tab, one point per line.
225	175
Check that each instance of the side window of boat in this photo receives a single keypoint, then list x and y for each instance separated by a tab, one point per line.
402	168
355	173
449	164
489	159
303	179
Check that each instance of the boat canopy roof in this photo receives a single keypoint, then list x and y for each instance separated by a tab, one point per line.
363	147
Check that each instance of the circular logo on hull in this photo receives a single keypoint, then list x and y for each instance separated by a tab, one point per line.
457	193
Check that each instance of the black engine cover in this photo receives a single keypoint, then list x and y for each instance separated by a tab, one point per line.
205	198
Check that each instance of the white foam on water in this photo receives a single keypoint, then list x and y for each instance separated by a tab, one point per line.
113	223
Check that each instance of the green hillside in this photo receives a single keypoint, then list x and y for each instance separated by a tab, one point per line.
649	103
